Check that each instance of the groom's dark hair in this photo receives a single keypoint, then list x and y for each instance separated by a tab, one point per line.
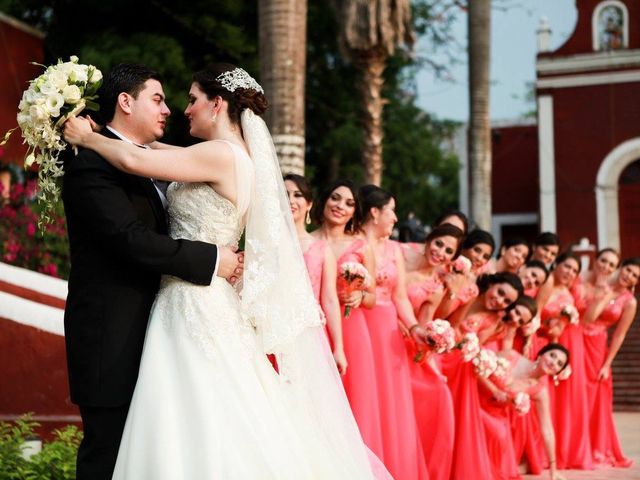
125	77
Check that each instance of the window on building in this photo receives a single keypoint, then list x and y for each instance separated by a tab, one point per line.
610	26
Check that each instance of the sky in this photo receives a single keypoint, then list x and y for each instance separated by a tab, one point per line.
513	53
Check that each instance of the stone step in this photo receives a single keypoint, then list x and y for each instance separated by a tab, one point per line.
626	383
626	371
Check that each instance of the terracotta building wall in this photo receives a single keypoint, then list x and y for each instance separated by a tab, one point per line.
514	179
589	122
18	47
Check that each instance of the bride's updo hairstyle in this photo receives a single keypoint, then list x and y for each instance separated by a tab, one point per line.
211	82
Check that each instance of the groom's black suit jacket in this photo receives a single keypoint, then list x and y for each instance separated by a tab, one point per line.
119	248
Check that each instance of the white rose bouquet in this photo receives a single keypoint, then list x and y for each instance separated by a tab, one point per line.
485	363
470	346
62	91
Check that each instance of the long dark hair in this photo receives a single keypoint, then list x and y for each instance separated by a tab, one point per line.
317	210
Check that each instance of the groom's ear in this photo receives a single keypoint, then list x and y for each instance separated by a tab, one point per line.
124	102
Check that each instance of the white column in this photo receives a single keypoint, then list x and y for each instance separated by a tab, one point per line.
546	157
544	35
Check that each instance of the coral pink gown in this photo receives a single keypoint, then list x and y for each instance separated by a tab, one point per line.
470	453
402	448
507	431
605	444
360	382
431	396
568	399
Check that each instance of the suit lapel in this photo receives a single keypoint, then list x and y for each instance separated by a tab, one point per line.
154	200
147	186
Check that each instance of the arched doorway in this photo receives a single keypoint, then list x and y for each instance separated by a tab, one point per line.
629	209
608	182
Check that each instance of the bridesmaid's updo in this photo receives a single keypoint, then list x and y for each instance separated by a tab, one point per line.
209	82
303	185
372	196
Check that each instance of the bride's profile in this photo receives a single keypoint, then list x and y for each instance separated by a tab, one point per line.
207	403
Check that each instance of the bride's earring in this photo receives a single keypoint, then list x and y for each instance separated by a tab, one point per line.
214	117
307	218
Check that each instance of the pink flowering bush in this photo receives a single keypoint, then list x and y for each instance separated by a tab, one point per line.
21	244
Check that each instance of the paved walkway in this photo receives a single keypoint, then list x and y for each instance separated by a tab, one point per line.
629	430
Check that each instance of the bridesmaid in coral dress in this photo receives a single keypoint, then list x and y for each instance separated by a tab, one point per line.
513	253
545	248
493	399
402	448
500	336
615	306
320	261
461	287
335	212
499	396
561	324
414	252
432	398
470	454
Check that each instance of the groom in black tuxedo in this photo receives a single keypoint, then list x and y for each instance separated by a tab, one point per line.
119	248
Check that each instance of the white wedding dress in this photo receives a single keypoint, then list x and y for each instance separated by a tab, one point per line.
208	404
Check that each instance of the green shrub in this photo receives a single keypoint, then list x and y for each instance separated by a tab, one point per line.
56	461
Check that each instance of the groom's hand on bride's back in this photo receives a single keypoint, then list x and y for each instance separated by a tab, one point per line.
231	264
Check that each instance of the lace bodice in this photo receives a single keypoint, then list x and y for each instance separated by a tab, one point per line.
198	212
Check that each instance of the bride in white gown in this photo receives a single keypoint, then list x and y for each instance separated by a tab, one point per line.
208	404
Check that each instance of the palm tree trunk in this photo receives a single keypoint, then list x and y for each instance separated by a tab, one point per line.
479	24
372	65
283	37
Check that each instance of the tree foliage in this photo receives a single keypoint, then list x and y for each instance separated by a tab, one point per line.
178	37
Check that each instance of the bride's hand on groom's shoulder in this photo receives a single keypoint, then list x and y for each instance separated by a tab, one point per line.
76	130
231	264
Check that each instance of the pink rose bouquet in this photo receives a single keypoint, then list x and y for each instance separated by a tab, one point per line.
522	403
352	276
461	265
441	338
